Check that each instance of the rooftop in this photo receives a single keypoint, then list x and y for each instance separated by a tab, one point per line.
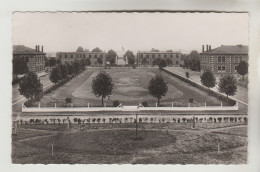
21	49
160	52
228	49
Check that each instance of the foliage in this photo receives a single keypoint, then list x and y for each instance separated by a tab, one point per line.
97	50
187	74
207	79
77	66
71	69
144	60
145	103
116	103
19	66
102	85
228	85
30	86
130	57
162	64
68	100
192	61
88	62
100	61
157	87
64	71
111	57
242	68
52	61
80	49
168	62
156	61
55	75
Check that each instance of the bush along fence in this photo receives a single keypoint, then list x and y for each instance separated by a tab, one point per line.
127	108
203	88
30	102
98	119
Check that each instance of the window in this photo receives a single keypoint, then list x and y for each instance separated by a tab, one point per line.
235	67
95	56
223	59
153	56
219	59
84	56
171	55
223	68
219	68
65	55
177	56
71	56
177	62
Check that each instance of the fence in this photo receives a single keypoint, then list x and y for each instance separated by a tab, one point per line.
127	108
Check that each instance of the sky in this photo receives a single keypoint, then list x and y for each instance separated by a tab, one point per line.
132	31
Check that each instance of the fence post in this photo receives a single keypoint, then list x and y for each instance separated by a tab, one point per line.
39	105
105	104
172	104
55	105
221	104
88	105
156	104
205	104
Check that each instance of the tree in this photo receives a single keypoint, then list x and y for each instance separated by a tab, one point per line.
242	68
64	71
144	60
207	79
228	85
97	50
111	57
157	87
162	64
19	66
30	86
156	61
102	85
168	61
77	66
187	74
55	75
71	69
53	61
99	60
80	49
130	57
88	62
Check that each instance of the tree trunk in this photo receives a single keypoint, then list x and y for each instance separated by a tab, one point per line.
102	101
243	77
158	102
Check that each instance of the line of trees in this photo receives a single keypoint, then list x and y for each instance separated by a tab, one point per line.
192	61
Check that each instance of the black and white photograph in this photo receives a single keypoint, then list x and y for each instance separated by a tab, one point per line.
133	87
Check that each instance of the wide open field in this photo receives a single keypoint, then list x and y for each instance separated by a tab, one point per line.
116	144
130	88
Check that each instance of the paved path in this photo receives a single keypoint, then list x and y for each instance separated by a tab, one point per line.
241	95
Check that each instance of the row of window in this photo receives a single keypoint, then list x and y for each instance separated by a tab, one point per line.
81	56
160	55
37	58
39	68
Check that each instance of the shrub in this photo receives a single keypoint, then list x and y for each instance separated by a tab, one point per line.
68	100
191	99
116	103
145	103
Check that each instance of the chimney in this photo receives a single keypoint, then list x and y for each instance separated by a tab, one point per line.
38	48
202	48
42	48
207	47
35	47
210	48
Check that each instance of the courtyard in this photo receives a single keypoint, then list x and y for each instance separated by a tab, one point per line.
130	88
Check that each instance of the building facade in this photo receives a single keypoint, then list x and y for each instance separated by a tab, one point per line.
148	58
70	57
35	59
223	59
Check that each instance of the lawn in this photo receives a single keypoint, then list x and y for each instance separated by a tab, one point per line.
119	146
130	88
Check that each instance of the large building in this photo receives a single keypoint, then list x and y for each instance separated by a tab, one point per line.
33	57
148	58
223	59
70	57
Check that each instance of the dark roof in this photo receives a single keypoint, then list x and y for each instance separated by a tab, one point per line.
21	49
229	49
160	52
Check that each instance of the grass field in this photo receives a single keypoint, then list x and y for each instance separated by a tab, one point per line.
117	144
130	88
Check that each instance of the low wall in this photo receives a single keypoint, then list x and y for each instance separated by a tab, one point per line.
128	108
201	87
